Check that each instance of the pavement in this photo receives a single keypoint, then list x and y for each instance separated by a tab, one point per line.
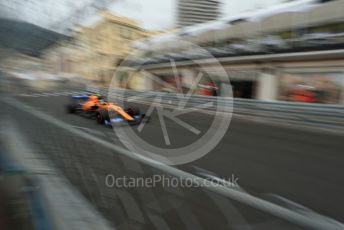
303	168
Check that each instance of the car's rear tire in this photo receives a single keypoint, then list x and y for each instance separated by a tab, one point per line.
71	108
102	115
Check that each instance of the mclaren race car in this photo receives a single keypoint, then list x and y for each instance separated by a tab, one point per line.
94	106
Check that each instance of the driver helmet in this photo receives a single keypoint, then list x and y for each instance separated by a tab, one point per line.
100	97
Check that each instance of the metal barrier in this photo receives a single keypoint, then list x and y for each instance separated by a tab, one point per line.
22	189
36	190
323	116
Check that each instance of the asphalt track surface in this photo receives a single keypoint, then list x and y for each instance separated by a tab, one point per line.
303	166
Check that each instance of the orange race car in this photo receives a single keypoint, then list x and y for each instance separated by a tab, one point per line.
94	106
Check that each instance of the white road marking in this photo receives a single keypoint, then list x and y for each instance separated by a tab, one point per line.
92	131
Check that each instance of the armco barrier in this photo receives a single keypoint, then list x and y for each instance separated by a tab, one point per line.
323	116
22	192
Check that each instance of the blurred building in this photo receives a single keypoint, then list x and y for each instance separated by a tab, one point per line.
103	45
293	51
96	49
58	58
17	62
191	12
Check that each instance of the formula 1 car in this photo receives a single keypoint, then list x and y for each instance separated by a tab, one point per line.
94	106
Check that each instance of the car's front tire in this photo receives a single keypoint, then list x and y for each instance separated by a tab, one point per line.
71	108
102	115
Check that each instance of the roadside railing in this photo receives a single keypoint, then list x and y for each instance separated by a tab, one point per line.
34	191
22	194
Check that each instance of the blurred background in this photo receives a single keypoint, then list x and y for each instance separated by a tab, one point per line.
284	60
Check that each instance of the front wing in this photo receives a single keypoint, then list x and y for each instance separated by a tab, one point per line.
121	121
